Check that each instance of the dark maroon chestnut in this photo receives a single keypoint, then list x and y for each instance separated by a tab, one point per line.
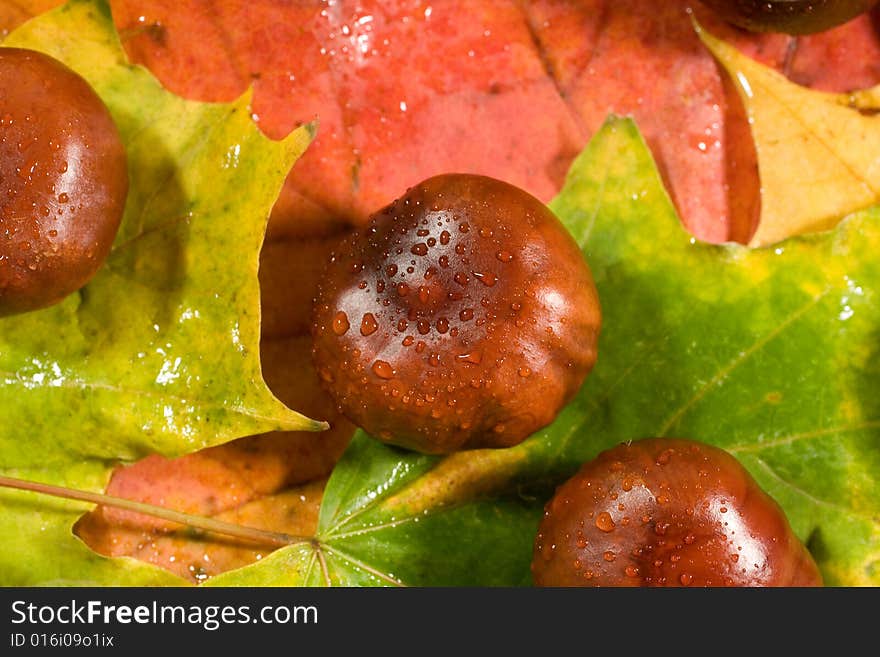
63	181
666	512
462	316
789	16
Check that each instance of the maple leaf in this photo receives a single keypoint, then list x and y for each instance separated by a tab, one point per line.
159	352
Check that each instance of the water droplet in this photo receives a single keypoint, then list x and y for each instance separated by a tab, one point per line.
408	340
442	325
383	370
402	289
631	571
340	323
689	539
605	522
663	457
445	237
474	357
627	484
420	249
63	197
504	256
368	324
525	372
390	270
423	326
466	315
486	279
461	278
434	359
609	556
685	579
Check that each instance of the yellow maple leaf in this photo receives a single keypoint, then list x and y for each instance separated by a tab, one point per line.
818	152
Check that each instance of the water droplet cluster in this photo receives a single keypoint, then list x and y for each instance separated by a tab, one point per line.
665	512
463	315
63	181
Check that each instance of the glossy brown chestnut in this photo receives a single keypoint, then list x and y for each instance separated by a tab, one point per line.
789	16
63	181
463	315
666	512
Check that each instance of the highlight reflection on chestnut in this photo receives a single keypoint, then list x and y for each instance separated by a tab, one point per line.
666	512
463	315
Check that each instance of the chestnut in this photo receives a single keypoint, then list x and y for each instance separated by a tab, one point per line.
63	181
795	17
667	512
462	315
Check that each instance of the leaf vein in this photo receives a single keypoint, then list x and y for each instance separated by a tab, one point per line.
741	358
800	491
806	435
364	566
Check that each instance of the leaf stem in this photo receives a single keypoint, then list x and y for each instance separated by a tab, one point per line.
200	523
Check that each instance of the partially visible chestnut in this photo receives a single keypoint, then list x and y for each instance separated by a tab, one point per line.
789	16
63	181
667	512
463	315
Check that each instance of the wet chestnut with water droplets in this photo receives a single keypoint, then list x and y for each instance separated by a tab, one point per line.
463	315
789	16
667	512
63	181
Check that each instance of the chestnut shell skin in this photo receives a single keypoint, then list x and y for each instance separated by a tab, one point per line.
462	316
667	512
63	181
795	17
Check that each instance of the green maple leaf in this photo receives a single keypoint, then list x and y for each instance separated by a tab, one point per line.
160	351
770	354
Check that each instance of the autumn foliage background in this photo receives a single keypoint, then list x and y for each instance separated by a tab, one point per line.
404	90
